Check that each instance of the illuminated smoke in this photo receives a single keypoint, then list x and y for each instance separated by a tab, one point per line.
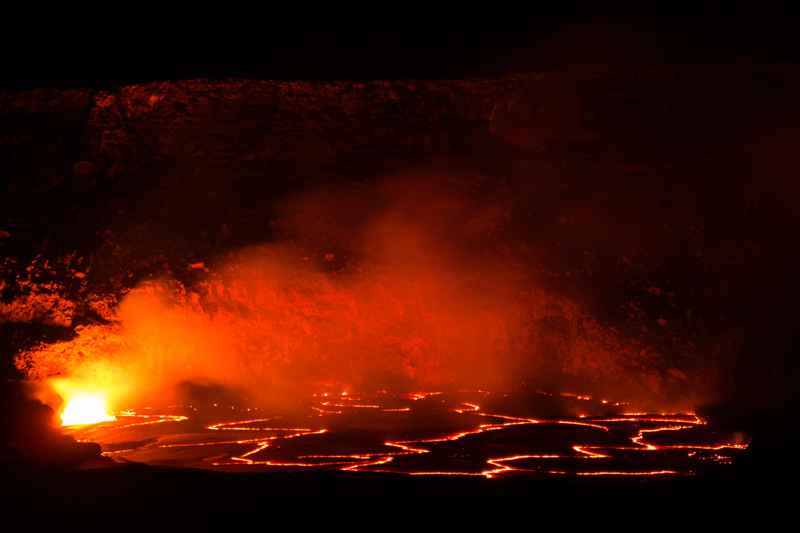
401	285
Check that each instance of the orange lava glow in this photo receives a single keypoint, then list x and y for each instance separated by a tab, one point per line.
644	473
271	439
86	408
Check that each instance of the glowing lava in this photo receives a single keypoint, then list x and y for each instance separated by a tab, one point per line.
617	445
86	408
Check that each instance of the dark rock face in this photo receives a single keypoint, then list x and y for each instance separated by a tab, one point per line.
245	123
52	138
41	132
661	196
29	434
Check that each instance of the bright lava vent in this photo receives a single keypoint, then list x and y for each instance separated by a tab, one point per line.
86	408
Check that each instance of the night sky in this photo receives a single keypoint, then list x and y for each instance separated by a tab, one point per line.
104	49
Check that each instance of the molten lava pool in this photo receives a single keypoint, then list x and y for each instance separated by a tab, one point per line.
423	433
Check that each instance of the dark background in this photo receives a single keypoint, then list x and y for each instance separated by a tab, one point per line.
100	48
131	44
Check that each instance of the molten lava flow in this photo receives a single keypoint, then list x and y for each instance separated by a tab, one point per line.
615	445
86	408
